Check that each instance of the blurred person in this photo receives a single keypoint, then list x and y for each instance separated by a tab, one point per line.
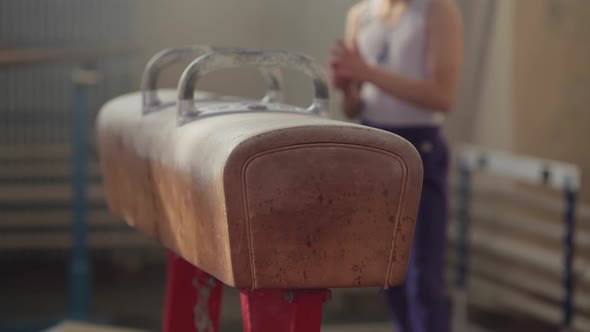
399	70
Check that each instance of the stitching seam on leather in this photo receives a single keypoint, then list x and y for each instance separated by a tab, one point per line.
308	145
397	225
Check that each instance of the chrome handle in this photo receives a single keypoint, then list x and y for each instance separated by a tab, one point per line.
232	58
165	58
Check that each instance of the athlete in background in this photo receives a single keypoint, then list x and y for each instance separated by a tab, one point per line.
399	70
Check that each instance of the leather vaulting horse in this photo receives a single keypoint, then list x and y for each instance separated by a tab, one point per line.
269	198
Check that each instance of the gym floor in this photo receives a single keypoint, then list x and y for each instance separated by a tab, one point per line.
132	297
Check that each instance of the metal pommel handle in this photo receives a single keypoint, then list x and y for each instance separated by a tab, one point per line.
238	58
165	58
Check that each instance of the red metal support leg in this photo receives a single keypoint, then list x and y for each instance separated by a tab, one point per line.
193	298
283	311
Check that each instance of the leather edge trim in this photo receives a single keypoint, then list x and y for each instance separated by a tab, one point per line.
243	184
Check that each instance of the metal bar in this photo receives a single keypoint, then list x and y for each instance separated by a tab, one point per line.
462	248
462	244
568	259
283	311
554	174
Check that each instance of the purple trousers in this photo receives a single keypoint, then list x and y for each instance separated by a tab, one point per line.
420	305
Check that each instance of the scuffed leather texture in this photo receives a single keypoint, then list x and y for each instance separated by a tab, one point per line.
265	199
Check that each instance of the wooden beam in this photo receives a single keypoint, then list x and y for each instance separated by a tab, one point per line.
46	193
116	239
522	280
13	57
35	151
517	221
52	218
523	253
85	327
511	300
490	191
59	169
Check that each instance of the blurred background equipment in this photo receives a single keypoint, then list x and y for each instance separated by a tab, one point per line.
527	287
525	91
47	161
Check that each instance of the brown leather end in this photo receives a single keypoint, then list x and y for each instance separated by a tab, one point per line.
272	200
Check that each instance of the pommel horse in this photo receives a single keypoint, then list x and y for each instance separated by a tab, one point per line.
268	198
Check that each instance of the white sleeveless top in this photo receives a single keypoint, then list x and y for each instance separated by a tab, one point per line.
401	49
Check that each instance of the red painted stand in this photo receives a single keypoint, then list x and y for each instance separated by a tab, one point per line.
283	311
193	304
193	298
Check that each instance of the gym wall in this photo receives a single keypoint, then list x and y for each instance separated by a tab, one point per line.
552	81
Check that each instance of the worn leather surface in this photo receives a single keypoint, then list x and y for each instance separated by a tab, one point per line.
265	199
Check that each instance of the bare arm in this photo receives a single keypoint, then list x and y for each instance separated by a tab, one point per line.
444	62
351	101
